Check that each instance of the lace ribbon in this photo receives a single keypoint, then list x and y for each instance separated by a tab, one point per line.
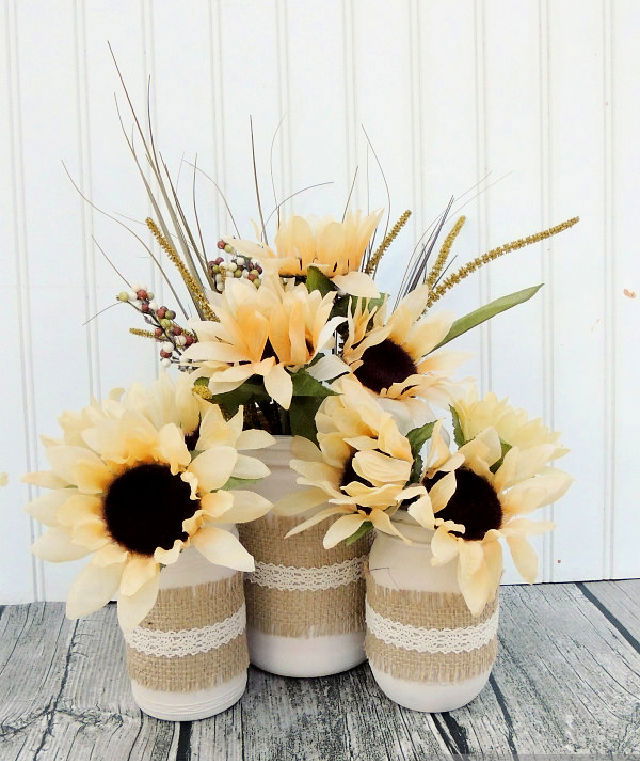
422	640
293	578
178	644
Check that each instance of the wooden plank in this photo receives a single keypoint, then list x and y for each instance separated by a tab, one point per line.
65	693
619	602
567	681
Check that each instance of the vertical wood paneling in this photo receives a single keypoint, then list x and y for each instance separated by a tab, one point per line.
449	143
542	95
19	576
578	310
624	410
513	205
317	112
384	107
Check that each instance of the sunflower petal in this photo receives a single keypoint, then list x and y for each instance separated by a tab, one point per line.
342	529
247	506
222	548
300	501
137	573
250	468
56	546
94	587
213	467
132	609
279	386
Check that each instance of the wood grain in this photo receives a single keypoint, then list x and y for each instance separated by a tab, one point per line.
567	680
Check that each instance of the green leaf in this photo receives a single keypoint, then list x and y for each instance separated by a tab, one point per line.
302	416
417	439
249	391
239	483
318	281
505	448
458	436
488	311
359	532
305	384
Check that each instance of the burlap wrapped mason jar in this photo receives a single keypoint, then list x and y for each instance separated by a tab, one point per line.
426	650
305	604
188	658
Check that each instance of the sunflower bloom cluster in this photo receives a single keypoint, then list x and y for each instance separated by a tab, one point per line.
469	499
335	248
359	472
131	494
395	357
269	332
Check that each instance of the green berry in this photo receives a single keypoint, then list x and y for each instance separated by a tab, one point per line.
166	324
122	296
215	268
228	248
237	273
170	314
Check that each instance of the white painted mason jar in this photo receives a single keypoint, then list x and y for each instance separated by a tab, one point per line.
188	658
305	604
426	651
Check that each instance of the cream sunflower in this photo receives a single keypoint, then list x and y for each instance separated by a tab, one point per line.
361	467
268	331
394	358
512	424
335	248
486	498
133	496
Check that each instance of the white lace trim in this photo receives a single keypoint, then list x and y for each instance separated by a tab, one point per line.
292	578
187	641
408	637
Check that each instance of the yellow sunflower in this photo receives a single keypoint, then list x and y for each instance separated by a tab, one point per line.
361	467
486	497
134	496
266	331
394	358
335	248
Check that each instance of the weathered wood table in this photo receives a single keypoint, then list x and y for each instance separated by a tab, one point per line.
567	681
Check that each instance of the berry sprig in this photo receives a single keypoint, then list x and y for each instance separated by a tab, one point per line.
174	338
235	266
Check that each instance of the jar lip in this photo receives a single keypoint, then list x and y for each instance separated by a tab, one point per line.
410	526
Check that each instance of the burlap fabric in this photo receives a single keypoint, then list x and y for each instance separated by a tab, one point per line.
189	614
446	619
301	612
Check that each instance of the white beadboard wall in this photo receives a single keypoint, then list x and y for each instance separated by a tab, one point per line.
540	97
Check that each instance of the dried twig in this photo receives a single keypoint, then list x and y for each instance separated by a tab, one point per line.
255	179
353	183
135	235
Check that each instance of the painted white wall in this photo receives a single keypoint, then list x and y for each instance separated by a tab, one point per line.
543	95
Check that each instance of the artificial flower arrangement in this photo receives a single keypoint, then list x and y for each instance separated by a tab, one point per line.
297	341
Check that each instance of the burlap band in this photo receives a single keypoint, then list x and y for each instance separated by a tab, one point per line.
301	613
442	613
183	613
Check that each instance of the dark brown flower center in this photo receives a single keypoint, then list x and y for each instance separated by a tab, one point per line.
145	506
474	503
384	364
